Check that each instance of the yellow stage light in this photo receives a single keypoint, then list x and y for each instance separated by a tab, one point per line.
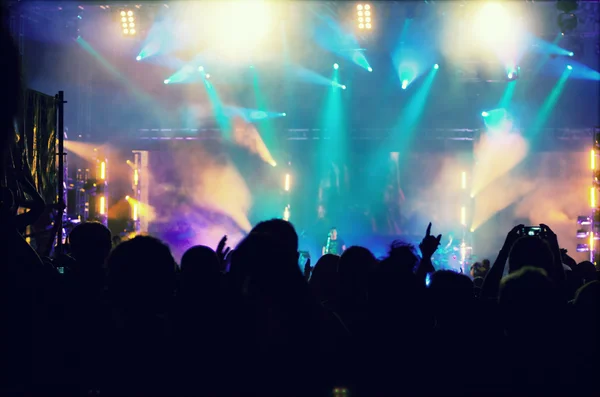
363	13
103	170
128	22
593	159
136	177
593	197
463	181
135	212
102	209
287	182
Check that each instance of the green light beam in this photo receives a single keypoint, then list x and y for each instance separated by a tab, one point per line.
508	94
547	107
265	126
139	94
411	116
218	110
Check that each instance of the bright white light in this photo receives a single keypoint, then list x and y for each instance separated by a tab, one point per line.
436	66
404	84
569	67
283	114
484	114
343	87
166	81
138	58
201	69
497	30
510	75
236	28
571	54
207	76
370	69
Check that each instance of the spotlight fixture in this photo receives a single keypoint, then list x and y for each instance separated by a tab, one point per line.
336	66
436	66
569	67
370	69
567	20
484	114
364	17
128	22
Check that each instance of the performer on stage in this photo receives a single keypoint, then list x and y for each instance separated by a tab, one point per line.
333	245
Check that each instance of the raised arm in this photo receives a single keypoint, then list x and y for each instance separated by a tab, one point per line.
428	246
491	284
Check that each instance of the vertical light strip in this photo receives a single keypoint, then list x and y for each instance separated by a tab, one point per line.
463	182
593	159
136	177
102	205
593	197
103	170
135	211
287	182
591	245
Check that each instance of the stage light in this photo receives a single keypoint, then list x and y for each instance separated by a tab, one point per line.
436	66
510	75
582	233
287	182
201	68
138	58
484	114
207	76
364	16
166	81
135	212
463	180
343	87
336	66
463	216
283	114
584	220
102	205
103	170
582	248
286	213
571	54
593	159
404	84
370	69
593	197
569	67
127	198
136	177
128	24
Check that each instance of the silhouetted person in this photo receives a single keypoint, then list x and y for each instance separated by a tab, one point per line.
141	287
324	280
532	312
88	318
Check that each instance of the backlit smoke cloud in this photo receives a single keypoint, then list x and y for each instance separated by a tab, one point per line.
246	135
199	196
496	153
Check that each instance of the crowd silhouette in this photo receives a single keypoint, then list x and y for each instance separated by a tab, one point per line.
115	317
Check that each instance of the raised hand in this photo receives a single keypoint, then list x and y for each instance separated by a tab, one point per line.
307	269
222	249
512	236
430	243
